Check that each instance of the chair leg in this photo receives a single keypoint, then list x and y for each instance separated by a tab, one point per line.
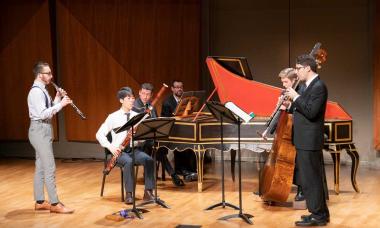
102	189
122	184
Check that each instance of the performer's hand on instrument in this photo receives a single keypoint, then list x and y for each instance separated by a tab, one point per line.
114	150
61	93
290	92
286	104
65	101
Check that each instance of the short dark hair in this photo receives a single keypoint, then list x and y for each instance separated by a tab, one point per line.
307	60
37	68
176	80
125	92
147	86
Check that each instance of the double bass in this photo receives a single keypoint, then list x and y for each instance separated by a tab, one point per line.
277	174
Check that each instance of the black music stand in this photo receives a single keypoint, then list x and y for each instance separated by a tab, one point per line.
221	113
237	120
154	129
130	125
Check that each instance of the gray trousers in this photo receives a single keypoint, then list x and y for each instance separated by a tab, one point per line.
41	138
141	158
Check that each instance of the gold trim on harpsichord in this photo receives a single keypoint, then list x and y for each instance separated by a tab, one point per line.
349	124
330	131
187	124
211	143
235	60
225	139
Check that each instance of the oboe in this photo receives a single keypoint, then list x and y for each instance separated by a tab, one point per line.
72	103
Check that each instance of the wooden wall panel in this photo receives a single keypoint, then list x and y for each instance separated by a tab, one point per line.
109	44
25	38
376	79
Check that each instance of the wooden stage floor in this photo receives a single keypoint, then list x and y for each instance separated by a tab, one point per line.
78	185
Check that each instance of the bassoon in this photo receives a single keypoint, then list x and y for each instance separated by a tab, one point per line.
112	162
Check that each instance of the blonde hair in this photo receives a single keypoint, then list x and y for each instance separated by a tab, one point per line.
288	73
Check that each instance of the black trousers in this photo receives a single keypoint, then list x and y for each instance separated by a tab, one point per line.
185	161
310	174
162	156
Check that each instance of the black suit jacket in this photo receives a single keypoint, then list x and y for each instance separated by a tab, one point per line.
139	107
309	116
168	106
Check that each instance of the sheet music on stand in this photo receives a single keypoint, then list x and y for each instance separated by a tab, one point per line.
191	101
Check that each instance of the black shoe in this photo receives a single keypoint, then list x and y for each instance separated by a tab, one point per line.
300	196
191	177
128	198
305	217
148	195
177	181
310	221
182	172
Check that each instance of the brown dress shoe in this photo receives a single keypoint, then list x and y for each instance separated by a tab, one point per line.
128	198
148	195
61	209
42	206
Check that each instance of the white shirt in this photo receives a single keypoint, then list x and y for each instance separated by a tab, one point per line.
37	103
176	98
307	83
113	121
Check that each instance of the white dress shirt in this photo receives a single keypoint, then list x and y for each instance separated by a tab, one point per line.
37	103
113	121
307	83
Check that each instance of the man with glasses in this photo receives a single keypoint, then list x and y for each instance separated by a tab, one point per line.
308	109
41	110
114	121
185	161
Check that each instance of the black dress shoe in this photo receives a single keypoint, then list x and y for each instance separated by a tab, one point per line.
310	221
148	195
177	181
191	177
128	198
305	217
182	172
299	196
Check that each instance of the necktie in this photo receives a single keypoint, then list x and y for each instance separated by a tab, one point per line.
302	89
128	115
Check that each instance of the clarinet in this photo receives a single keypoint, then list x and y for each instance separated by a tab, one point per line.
112	162
72	103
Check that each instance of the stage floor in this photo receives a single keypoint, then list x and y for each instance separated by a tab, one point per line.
79	182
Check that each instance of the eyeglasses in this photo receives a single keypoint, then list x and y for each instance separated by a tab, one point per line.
178	87
48	73
299	68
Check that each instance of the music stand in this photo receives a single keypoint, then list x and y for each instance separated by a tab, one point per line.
237	120
221	113
131	125
190	102
154	129
131	122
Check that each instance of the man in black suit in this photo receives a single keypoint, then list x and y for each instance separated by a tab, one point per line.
308	107
185	162
140	105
